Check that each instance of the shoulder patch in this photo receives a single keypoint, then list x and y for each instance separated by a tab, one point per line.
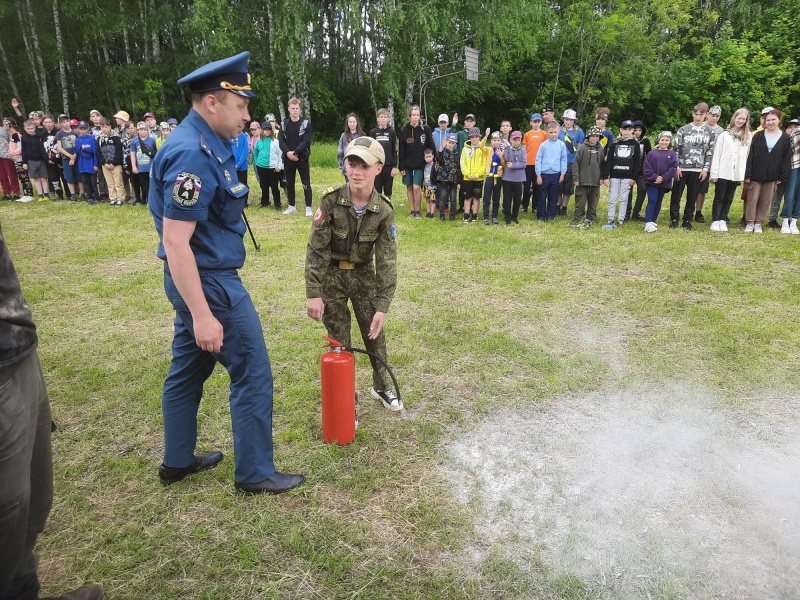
186	190
318	216
386	199
394	230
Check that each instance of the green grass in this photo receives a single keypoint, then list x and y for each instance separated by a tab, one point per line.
485	318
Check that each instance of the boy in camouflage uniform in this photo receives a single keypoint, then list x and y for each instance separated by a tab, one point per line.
352	255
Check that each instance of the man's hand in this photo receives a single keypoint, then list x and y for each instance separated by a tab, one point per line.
703	174
678	175
315	308
208	333
394	171
377	325
561	179
539	179
292	156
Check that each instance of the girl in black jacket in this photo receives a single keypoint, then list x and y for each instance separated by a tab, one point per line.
768	163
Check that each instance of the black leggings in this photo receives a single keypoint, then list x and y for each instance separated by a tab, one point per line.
724	191
144	185
269	180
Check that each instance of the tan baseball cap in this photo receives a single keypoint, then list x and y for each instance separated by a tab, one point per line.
122	115
367	149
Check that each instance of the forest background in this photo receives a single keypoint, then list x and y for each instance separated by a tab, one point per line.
646	59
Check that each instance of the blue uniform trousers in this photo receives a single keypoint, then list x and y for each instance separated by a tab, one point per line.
548	197
243	354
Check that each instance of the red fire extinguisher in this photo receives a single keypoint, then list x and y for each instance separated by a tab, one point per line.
338	368
339	410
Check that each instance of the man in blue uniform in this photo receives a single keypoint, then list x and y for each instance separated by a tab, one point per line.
197	202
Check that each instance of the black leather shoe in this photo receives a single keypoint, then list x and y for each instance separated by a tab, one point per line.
277	484
202	462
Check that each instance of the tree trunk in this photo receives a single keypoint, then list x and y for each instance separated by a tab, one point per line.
155	36
143	20
125	37
11	82
39	61
62	68
28	51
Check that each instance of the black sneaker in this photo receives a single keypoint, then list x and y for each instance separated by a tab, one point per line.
466	218
524	209
388	399
673	224
773	224
743	222
637	218
699	218
687	225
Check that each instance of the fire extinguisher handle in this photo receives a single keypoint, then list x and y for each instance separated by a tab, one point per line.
332	342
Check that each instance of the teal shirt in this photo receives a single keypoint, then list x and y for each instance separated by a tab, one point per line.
261	152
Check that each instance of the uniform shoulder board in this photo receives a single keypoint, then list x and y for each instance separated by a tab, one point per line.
386	199
331	189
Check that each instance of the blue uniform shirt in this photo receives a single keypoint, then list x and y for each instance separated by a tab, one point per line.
193	178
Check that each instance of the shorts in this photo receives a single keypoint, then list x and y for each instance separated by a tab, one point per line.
703	188
37	169
71	173
414	177
429	194
472	189
567	186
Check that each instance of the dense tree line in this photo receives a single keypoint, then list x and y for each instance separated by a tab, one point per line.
648	59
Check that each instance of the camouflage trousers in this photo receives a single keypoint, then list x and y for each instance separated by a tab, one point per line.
358	286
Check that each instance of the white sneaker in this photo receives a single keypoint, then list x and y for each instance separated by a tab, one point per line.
793	227
309	212
715	226
757	228
785	226
649	227
723	226
388	399
749	228
290	210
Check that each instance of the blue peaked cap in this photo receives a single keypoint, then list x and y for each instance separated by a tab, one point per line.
226	74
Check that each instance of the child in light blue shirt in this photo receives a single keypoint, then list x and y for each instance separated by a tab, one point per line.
551	167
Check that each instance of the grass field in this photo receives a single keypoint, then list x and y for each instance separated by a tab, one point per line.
486	320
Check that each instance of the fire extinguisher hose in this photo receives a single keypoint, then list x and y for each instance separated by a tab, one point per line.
383	362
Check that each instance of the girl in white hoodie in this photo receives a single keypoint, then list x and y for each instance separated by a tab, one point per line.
728	166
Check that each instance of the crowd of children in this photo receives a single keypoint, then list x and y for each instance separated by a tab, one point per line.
65	158
550	163
454	168
75	160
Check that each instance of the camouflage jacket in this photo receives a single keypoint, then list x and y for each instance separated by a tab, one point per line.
337	235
